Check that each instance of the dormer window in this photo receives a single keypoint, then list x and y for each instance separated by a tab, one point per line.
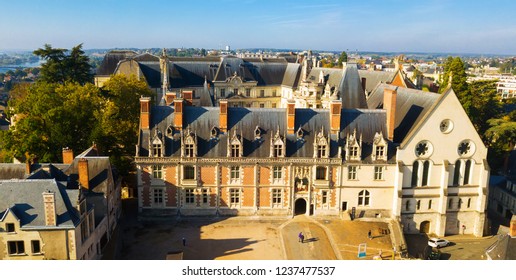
321	145
379	147
170	131
235	146
257	133
277	145
156	148
157	145
190	144
214	132
235	150
299	133
353	147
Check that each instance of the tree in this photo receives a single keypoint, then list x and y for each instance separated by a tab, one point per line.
342	58
62	66
49	117
455	68
485	104
117	131
502	139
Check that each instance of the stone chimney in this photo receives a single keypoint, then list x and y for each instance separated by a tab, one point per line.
84	175
291	116
335	111
49	203
67	155
28	166
145	112
178	113
169	98
389	105
223	116
512	230
188	96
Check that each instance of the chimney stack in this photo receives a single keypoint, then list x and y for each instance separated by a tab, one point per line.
169	98
223	117
28	166
178	113
84	176
145	112
335	111
389	105
291	116
188	97
49	203
67	155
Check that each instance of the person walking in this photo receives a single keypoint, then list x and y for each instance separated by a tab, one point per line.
301	237
184	241
369	235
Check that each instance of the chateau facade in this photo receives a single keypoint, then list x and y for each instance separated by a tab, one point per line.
379	151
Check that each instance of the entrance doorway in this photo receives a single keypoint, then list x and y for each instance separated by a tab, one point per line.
424	227
300	207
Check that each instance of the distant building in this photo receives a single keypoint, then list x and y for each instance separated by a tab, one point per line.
246	81
65	211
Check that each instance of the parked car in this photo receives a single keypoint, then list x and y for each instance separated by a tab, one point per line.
438	242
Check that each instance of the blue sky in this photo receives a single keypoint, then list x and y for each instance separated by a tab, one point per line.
458	26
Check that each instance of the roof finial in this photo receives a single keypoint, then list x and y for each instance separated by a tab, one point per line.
450	78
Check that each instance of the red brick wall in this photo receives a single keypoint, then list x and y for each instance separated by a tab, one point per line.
213	197
248	173
146	196
265	197
224	197
224	174
208	175
146	175
170	172
248	194
265	174
171	196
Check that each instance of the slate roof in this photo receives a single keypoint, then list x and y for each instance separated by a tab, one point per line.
111	60
374	78
350	88
411	106
244	121
24	198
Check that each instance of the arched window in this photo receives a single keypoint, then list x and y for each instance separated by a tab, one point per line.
467	172
456	174
363	198
426	169
415	170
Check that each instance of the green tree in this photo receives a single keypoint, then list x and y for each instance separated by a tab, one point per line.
455	68
502	138
50	116
117	132
64	66
342	58
483	104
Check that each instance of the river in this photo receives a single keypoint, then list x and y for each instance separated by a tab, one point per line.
6	68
